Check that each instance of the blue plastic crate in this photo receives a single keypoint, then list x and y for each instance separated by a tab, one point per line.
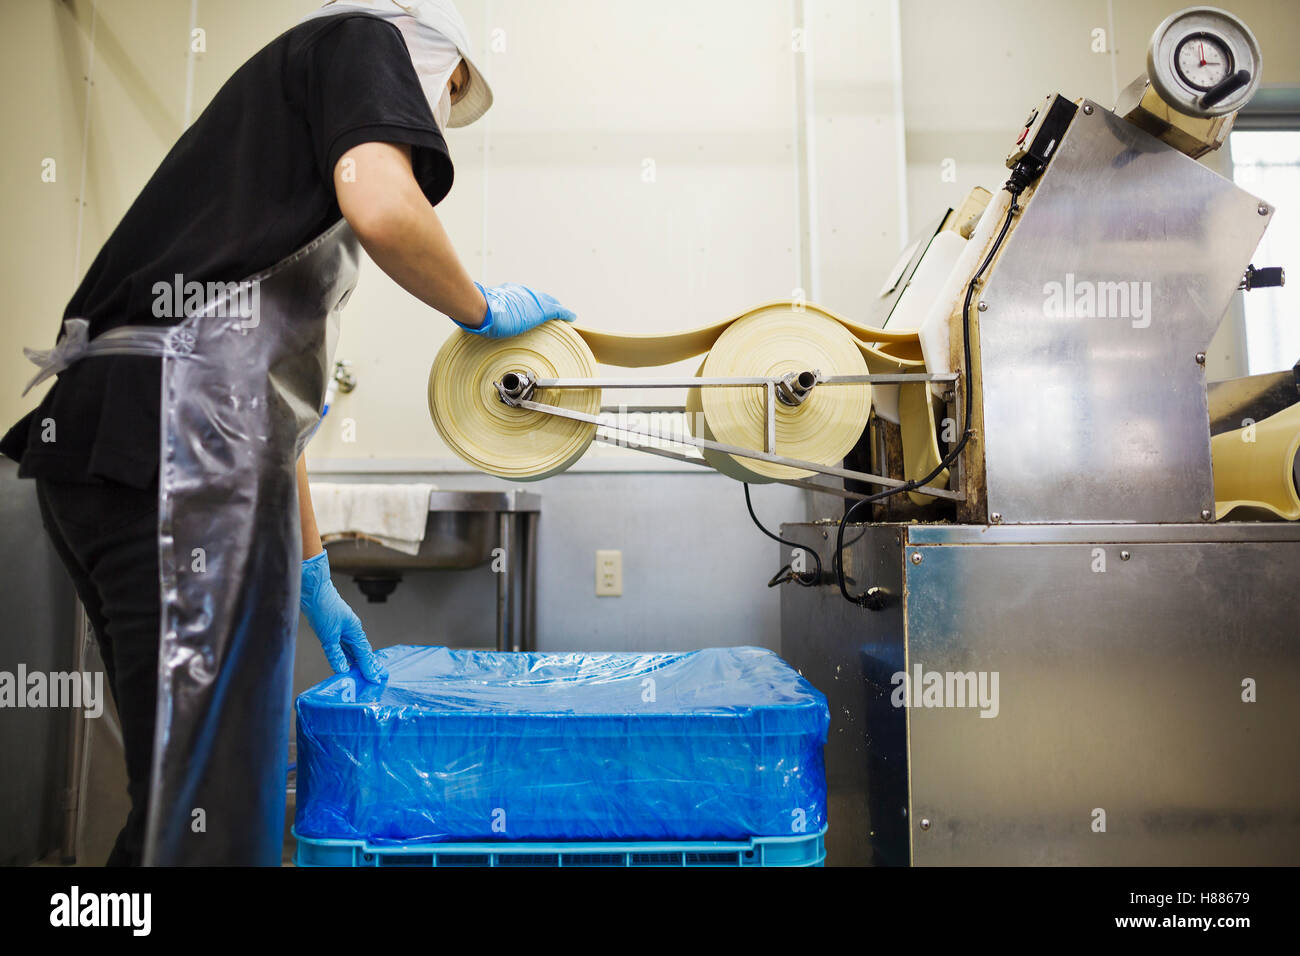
480	747
809	850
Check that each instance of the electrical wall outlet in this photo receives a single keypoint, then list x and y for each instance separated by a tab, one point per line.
609	573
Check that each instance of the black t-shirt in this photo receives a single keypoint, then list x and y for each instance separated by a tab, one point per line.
247	184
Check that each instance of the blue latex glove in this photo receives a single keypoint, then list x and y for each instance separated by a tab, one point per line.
513	309
336	625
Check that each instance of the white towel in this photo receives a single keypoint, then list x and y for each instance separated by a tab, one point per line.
394	515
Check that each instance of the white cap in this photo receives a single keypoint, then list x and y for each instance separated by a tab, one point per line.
442	17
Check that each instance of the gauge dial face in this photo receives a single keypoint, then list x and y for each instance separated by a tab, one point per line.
1203	61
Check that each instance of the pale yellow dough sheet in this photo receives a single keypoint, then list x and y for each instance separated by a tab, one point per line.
640	351
769	340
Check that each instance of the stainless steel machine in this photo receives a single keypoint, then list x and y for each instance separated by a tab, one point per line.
1039	641
1072	661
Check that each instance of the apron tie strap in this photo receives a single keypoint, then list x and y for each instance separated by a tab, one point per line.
74	343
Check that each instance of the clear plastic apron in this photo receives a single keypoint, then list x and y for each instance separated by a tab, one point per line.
241	391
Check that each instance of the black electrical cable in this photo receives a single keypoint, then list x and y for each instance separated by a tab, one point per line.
806	578
869	598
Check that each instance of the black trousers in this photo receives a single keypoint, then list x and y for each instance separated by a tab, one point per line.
107	537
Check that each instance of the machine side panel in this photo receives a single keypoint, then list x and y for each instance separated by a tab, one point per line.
850	654
1120	689
1117	274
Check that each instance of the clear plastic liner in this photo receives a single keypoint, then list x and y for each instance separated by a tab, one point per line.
471	745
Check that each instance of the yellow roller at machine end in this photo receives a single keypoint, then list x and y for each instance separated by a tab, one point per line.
1254	466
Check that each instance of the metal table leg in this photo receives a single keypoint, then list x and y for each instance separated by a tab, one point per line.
505	581
529	577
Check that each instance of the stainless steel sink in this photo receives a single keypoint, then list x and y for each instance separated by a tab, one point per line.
463	529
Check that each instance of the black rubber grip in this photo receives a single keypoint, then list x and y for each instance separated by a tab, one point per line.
1227	86
1266	277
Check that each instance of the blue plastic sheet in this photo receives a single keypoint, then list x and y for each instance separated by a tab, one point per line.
470	745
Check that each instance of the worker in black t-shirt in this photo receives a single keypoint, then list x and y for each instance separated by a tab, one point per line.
165	453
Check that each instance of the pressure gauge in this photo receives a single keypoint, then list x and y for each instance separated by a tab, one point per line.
1204	62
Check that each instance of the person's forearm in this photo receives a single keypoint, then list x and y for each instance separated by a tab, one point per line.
400	230
311	545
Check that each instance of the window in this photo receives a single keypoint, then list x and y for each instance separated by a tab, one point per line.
1266	163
